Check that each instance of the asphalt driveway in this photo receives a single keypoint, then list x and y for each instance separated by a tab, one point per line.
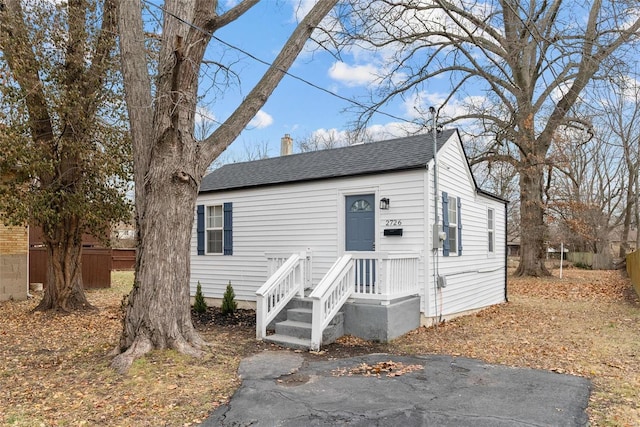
280	388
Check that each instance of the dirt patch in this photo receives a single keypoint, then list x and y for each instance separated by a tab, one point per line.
293	380
55	368
213	316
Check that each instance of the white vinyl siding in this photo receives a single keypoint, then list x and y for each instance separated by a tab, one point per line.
474	280
296	217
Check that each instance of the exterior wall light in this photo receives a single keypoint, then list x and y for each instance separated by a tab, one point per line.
384	203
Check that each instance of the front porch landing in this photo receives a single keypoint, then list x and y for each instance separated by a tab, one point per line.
376	293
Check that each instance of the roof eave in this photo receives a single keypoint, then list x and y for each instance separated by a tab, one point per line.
324	178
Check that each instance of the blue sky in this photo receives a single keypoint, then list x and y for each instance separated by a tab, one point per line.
295	107
301	110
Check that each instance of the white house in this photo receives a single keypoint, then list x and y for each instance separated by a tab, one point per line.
353	229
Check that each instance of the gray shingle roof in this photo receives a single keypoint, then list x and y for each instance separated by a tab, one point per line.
376	157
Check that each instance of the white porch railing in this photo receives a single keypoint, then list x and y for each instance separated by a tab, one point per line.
276	259
381	276
329	296
281	286
385	276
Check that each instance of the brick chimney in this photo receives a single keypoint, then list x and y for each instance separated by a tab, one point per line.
286	145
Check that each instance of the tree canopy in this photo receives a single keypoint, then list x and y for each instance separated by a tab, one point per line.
64	142
515	70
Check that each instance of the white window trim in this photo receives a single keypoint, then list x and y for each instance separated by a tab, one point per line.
207	229
491	231
453	225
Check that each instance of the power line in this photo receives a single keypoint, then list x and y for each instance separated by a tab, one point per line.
269	64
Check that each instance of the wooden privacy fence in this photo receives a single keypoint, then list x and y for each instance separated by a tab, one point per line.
123	259
97	264
595	261
633	269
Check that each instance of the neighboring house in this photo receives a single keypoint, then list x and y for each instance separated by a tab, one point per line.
616	240
513	248
14	257
354	226
14	264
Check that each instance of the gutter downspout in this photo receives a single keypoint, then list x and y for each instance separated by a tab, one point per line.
29	295
506	253
436	217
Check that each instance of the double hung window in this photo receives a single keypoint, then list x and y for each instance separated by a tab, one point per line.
491	230
214	229
451	225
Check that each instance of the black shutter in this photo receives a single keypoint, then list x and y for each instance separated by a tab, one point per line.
459	227
445	223
200	232
228	229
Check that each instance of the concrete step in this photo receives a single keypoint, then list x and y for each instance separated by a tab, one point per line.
294	329
300	314
299	302
289	342
302	330
306	315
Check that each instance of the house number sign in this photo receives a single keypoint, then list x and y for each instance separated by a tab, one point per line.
393	222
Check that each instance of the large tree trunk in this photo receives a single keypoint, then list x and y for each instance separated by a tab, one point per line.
64	289
626	227
169	163
631	202
158	312
532	226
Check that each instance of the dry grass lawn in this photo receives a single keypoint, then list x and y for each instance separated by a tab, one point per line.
55	369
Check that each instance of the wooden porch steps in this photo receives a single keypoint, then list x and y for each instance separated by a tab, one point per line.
295	331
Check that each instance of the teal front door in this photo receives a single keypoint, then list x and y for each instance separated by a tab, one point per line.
360	236
360	223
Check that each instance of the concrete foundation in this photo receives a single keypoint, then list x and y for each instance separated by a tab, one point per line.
432	321
381	322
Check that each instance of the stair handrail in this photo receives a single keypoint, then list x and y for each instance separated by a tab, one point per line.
287	282
329	296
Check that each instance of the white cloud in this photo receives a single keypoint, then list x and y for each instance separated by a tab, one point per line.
301	8
203	115
390	130
261	120
417	105
205	122
560	90
231	3
331	138
354	75
338	137
630	89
